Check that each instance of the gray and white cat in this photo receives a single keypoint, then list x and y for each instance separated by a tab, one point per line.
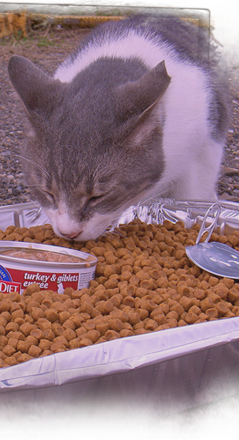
137	111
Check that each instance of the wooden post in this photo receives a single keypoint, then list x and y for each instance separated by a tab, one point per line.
13	23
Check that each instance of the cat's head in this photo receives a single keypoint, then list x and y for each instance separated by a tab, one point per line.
94	145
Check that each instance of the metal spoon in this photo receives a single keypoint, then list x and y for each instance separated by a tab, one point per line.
216	258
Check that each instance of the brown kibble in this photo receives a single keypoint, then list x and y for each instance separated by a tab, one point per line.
63	316
116	324
199	294
98	251
229	314
13	342
34	351
36	333
86	307
16	335
43	324
186	302
92	335
181	323
213	281
212	313
177	308
195	309
61	339
8	350
129	301
11	360
57	329
6	315
105	307
184	290
24	357
141	331
26	328
31	289
46	353
85	342
57	347
47	302
68	324
190	317
3	321
102	326
160	319
228	282
126	332
233	295
23	346
74	343
221	308
48	334
206	303
172	314
17	314
80	331
51	315
111	334
116	300
150	324
28	318
38	297
11	326
77	319
69	334
172	323
5	305
44	344
143	314
221	290
37	312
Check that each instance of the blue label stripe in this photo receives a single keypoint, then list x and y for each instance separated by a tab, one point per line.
4	274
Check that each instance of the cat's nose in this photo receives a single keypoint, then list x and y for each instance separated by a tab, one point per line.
70	236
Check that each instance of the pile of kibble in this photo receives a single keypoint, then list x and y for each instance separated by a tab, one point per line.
144	283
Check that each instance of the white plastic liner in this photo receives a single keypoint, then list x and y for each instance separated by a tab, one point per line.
127	381
191	365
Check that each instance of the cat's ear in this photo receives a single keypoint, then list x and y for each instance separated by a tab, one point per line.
138	97
35	88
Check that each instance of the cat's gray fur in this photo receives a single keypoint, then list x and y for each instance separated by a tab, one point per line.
139	109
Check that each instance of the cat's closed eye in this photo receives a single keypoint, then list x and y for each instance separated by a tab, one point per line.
95	199
49	196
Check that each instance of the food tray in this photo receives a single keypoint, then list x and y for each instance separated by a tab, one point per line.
176	368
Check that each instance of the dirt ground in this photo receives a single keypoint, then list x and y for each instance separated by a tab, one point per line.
47	48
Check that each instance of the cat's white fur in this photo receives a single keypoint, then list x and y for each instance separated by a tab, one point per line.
183	103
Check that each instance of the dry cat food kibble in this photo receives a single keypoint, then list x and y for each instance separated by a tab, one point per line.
144	283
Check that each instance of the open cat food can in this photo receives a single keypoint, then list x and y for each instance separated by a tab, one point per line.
51	267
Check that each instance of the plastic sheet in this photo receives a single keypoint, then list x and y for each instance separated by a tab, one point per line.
191	365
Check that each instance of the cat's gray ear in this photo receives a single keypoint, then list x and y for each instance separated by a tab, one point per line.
35	88
136	97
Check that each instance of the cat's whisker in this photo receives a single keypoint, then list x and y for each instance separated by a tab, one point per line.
37	165
30	186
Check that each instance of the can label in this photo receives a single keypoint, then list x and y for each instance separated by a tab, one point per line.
7	285
14	280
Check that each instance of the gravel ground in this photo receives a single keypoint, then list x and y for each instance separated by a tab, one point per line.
47	49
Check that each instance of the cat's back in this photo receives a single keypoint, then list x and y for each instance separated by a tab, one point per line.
198	89
148	38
